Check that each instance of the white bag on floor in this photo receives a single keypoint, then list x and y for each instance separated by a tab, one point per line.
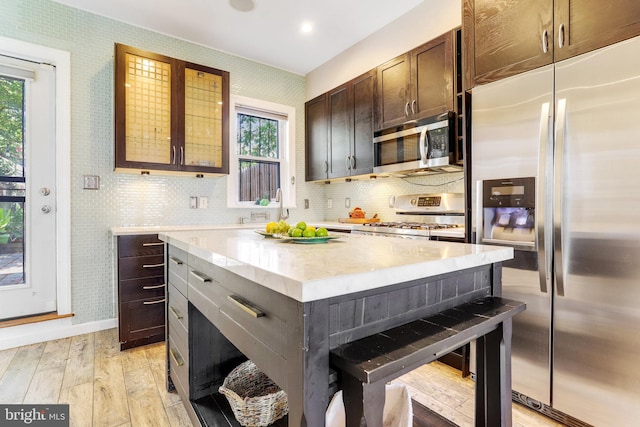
398	411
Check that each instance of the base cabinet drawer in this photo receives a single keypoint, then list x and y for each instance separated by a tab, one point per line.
141	290
142	322
177	308
242	306
178	364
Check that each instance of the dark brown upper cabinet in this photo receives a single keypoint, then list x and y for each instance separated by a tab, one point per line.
509	37
351	114
339	130
172	116
416	84
316	138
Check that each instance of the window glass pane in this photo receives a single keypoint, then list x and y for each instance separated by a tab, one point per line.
258	181
257	136
11	127
11	243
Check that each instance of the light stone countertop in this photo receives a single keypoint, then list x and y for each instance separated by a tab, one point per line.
155	229
351	263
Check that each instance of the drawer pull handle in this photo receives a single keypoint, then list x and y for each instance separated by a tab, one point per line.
200	277
153	244
246	306
176	312
152	265
176	261
146	288
176	357
154	302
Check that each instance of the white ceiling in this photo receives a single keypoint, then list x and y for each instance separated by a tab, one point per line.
269	34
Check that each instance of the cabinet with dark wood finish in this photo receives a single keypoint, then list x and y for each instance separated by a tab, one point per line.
351	112
171	115
316	138
141	290
417	84
509	37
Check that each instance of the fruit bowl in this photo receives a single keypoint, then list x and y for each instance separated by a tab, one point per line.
309	240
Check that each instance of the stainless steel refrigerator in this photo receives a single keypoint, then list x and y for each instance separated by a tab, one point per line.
574	127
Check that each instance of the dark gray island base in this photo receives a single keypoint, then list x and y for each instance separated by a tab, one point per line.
230	318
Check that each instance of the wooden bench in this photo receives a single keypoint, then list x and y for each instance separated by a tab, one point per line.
366	365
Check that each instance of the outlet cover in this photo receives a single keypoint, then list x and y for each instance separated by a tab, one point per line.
91	182
347	202
329	203
193	202
306	203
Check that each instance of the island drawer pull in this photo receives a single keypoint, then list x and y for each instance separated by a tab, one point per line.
153	244
153	287
176	312
154	302
176	261
200	276
152	265
246	306
176	357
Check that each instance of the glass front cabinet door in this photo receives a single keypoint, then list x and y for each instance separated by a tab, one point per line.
171	115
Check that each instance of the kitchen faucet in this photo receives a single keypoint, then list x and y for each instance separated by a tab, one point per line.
281	210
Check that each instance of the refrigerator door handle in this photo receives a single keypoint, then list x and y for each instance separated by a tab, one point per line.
561	123
543	256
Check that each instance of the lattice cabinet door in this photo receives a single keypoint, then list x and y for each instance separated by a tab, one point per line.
170	116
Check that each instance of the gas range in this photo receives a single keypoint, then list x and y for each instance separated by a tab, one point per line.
433	216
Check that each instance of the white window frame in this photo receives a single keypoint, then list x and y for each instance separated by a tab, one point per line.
286	146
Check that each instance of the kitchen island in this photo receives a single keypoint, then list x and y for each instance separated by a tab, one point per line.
285	305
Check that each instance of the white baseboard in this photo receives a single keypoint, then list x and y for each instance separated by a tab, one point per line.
33	333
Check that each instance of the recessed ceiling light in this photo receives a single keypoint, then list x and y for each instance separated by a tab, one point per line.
306	27
242	5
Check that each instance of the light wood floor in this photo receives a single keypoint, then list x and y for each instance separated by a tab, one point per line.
106	387
102	385
443	390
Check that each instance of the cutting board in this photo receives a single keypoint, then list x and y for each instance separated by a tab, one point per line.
358	220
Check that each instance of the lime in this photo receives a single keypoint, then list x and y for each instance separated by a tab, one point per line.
296	232
308	232
322	232
301	225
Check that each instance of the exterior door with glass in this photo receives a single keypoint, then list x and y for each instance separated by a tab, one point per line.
27	188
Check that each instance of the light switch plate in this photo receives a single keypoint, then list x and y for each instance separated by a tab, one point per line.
91	182
203	202
347	202
193	202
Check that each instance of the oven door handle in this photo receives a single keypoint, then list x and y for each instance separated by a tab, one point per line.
422	142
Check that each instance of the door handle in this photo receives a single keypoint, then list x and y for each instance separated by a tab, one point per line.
422	142
45	191
348	162
561	36
561	121
413	106
543	256
46	209
545	41
406	110
246	306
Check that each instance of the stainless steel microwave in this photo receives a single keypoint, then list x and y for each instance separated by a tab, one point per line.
424	144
